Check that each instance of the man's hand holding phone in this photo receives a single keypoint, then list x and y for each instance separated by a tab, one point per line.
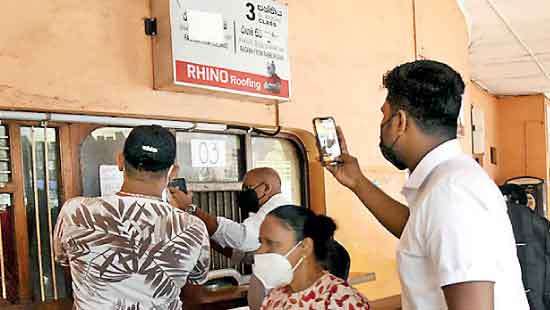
179	196
347	170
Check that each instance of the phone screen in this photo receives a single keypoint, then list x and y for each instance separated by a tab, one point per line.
327	138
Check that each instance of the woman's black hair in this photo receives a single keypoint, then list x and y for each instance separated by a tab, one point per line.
338	261
307	224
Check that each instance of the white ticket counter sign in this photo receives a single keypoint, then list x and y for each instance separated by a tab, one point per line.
207	153
236	46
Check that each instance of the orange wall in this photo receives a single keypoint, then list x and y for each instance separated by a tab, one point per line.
93	57
522	132
515	126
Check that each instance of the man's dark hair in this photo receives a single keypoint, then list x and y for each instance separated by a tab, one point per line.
150	148
430	92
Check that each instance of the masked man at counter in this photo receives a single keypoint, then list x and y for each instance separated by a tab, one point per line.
261	193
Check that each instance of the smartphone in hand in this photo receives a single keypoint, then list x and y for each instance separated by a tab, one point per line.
327	140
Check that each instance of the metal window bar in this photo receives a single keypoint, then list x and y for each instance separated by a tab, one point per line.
220	203
49	210
37	215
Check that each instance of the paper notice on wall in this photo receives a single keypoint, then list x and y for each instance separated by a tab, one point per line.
478	134
110	179
205	27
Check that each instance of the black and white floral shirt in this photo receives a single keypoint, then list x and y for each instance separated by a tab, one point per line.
130	253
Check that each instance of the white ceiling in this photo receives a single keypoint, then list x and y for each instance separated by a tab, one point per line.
510	45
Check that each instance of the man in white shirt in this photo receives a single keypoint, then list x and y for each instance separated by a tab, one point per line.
261	194
457	249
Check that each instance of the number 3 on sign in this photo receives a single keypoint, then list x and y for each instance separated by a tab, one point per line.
207	153
251	14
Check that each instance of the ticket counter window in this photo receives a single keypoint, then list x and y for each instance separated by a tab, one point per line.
213	164
283	156
41	172
210	158
98	159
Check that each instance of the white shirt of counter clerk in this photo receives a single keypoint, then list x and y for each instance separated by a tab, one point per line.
458	231
244	236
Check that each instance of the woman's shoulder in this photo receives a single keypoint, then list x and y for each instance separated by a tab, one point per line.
342	295
280	291
276	297
329	290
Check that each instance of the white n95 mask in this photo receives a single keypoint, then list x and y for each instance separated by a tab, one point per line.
274	270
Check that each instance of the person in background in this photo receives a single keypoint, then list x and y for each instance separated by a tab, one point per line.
456	248
532	233
261	193
132	250
514	195
295	242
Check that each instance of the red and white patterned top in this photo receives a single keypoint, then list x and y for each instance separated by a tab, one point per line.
329	292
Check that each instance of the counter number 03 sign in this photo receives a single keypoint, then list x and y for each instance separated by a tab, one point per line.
207	153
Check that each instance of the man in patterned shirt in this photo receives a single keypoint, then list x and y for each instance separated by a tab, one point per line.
132	250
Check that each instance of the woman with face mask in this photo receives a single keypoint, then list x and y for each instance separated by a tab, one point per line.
294	244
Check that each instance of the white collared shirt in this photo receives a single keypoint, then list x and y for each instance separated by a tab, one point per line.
244	236
458	231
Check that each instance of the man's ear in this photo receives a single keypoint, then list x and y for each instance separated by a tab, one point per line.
120	161
268	188
174	172
402	122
